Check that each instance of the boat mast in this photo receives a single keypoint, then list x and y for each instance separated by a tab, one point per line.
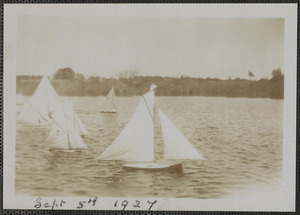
153	120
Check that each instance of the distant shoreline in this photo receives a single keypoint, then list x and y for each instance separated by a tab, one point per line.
166	86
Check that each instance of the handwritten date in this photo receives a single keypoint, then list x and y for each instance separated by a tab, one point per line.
135	204
93	201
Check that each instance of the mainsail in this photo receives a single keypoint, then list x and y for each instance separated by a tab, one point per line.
58	136
79	126
176	145
63	134
136	141
42	104
109	103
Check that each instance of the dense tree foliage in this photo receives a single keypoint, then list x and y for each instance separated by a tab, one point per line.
68	83
66	73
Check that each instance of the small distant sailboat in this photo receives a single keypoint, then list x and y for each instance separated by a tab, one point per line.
109	105
135	145
63	135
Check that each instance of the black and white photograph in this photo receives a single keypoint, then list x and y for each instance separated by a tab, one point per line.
150	107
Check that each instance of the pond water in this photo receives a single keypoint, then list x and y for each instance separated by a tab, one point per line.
240	138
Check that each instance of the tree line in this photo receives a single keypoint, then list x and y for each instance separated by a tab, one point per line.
128	83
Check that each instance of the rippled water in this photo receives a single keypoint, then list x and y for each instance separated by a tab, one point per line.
240	138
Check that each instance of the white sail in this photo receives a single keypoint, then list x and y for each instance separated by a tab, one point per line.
79	126
136	141
45	97
176	145
109	103
58	136
152	87
42	104
74	119
30	115
149	100
63	134
75	141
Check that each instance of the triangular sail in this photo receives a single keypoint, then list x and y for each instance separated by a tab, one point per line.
177	147
74	119
63	134
109	103
75	141
58	136
136	141
30	115
79	126
42	104
152	87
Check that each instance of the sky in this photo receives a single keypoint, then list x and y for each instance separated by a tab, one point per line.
163	46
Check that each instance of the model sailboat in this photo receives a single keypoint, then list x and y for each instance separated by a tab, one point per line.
63	135
109	103
135	144
42	104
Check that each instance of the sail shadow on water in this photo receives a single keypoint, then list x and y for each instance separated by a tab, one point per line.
135	145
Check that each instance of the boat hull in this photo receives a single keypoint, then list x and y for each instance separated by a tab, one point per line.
154	166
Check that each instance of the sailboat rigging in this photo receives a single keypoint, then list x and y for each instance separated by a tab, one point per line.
63	135
135	144
109	105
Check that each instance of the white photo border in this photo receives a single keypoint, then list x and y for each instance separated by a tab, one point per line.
282	199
